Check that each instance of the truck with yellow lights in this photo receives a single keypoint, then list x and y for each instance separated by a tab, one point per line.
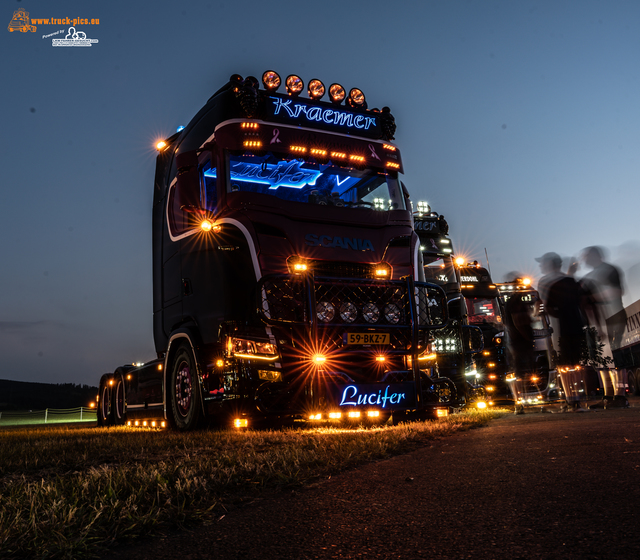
542	383
286	275
453	347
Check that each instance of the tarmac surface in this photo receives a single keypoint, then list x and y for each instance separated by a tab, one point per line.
530	486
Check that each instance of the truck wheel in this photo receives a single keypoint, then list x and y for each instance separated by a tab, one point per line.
104	404
119	405
184	390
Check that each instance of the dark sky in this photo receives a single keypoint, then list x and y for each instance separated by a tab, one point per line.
517	120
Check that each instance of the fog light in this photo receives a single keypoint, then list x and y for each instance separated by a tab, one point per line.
335	415
442	412
373	413
481	404
353	414
315	416
392	313
370	312
240	423
348	312
325	311
271	80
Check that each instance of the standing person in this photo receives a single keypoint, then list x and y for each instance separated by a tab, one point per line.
604	282
563	300
550	264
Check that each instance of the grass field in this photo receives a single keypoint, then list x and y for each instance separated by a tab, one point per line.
70	493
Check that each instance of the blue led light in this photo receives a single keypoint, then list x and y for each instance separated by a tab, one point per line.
180	128
284	174
297	109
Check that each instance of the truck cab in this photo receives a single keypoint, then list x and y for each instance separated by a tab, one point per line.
285	266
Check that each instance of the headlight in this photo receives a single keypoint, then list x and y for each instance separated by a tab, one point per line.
325	311
348	312
371	313
392	313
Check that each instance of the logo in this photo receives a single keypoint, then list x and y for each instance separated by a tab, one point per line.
24	23
313	113
359	396
74	39
338	242
20	22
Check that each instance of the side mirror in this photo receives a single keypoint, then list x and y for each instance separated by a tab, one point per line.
188	182
455	308
472	339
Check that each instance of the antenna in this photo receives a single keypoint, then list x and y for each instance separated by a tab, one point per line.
488	265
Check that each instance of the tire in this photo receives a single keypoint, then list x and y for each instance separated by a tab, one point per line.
184	390
118	400
105	417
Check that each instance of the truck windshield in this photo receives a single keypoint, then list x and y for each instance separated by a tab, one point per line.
314	182
484	313
439	270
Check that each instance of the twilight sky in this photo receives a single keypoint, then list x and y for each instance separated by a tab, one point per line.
517	120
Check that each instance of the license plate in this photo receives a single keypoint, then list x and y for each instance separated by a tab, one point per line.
367	338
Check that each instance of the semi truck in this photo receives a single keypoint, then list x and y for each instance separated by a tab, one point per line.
286	271
626	350
455	346
542	384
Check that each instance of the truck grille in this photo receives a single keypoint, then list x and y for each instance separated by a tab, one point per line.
350	303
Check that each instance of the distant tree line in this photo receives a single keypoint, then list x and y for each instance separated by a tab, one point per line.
23	396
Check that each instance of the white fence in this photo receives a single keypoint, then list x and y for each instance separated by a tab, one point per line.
48	416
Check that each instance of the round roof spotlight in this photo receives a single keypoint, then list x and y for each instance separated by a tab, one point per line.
252	81
356	99
316	89
271	80
294	85
337	93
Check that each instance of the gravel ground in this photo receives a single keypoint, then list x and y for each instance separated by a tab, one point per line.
531	486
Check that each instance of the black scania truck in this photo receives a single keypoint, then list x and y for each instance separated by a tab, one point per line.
286	275
455	346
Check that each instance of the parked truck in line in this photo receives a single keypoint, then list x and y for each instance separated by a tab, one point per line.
455	346
287	281
626	351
